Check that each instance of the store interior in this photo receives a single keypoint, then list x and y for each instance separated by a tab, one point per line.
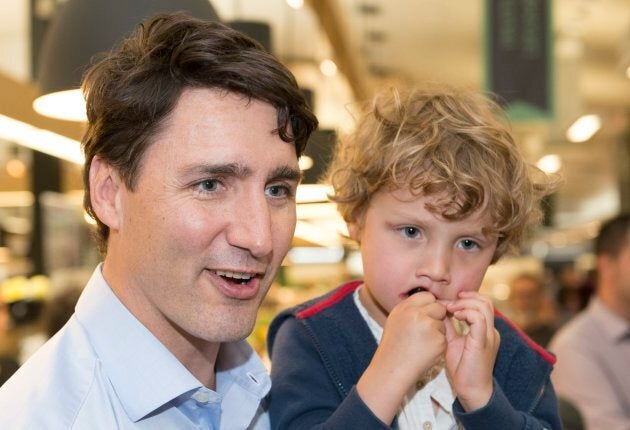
341	52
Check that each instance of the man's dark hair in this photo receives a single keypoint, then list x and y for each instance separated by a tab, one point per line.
133	89
613	236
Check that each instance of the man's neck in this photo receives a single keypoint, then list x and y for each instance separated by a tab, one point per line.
197	355
200	358
614	303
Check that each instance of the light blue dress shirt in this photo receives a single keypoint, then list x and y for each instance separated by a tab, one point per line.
105	370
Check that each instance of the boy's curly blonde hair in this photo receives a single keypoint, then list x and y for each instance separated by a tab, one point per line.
445	142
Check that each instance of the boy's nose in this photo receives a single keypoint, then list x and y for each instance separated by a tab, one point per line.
435	266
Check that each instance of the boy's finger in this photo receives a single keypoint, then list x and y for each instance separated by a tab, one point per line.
478	324
451	332
479	303
435	310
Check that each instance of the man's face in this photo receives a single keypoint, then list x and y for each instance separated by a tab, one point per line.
404	247
209	221
620	278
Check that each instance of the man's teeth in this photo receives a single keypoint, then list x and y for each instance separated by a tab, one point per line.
235	275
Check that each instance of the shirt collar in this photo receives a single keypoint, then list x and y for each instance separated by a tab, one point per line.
239	364
440	390
142	371
613	325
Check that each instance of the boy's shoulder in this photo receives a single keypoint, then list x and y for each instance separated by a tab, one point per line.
329	312
326	301
516	340
522	368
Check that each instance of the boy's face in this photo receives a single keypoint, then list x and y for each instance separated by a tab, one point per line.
405	247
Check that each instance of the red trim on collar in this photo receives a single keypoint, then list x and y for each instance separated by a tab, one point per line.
343	291
546	355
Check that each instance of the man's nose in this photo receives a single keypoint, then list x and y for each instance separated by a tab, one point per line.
250	227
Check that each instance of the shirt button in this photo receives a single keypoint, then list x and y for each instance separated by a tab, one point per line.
427	425
202	397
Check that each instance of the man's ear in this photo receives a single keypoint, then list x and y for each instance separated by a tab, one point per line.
605	266
105	189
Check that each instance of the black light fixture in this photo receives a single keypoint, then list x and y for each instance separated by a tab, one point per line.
81	29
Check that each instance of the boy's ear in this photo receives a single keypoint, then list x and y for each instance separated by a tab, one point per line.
354	230
105	188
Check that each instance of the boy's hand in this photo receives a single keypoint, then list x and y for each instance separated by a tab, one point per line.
414	339
470	358
414	336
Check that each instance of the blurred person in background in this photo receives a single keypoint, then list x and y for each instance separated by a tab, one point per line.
59	309
531	309
593	349
8	363
574	292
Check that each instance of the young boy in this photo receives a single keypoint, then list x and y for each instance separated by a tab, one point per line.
434	190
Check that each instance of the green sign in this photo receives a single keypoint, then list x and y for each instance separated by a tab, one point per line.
519	57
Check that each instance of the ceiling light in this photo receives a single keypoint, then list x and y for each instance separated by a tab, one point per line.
305	162
550	163
41	140
328	68
16	168
296	4
584	128
67	52
68	105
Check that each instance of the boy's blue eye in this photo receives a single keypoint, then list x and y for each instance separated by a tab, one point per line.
410	232
469	244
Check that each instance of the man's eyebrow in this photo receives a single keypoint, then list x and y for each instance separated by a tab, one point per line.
238	170
285	172
227	169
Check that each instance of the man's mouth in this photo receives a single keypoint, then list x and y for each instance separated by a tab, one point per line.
236	277
235	284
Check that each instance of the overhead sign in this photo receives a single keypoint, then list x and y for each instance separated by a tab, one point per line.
519	61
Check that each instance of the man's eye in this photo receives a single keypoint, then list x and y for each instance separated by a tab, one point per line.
279	191
410	232
209	185
469	244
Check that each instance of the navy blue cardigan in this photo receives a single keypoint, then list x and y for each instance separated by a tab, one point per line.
320	349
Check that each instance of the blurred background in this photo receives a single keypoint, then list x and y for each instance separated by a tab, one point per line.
552	63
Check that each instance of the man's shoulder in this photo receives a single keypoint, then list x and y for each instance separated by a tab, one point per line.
576	334
52	386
